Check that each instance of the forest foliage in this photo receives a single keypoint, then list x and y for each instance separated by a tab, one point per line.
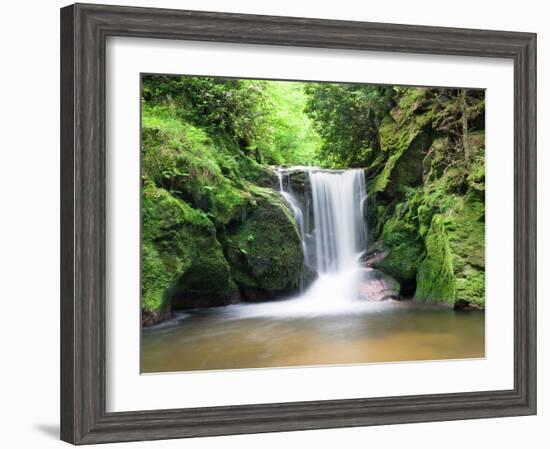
265	120
208	144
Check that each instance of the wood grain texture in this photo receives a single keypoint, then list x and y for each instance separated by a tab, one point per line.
67	226
84	29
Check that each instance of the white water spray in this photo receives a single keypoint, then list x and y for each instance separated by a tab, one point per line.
339	228
333	234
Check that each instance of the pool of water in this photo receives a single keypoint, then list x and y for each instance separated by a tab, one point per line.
256	336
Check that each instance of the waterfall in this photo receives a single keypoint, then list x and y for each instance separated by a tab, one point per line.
329	214
296	210
328	207
339	228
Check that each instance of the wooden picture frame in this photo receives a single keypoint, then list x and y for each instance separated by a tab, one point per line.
84	29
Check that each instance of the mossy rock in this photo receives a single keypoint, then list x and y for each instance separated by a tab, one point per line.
204	172
406	144
466	236
264	251
436	280
454	267
261	175
405	251
408	168
425	204
181	257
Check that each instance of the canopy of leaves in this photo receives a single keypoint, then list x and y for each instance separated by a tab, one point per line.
347	116
265	119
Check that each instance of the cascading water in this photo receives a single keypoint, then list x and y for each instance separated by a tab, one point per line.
329	214
339	229
333	234
296	210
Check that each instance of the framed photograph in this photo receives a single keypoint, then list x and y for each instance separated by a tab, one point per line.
274	223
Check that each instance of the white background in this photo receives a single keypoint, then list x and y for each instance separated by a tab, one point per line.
30	226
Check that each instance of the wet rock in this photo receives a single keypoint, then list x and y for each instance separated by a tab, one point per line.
264	251
181	257
299	182
464	305
264	177
150	318
376	253
378	286
197	301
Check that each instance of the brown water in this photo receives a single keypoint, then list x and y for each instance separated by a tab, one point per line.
232	337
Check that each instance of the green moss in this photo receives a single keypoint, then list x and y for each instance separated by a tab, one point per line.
260	175
405	247
470	286
180	253
265	251
466	234
436	238
436	280
380	181
184	160
154	278
476	175
454	267
430	213
408	169
200	190
410	98
406	143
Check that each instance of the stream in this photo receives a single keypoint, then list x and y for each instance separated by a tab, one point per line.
238	336
328	322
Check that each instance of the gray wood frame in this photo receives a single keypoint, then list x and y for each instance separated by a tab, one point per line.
84	29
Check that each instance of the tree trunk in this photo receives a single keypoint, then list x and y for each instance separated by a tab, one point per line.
464	109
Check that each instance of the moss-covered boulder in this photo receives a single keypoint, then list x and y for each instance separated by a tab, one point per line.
404	143
453	270
264	251
208	174
260	175
434	246
466	234
182	261
405	250
426	197
435	275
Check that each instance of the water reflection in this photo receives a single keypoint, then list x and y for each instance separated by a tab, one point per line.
245	336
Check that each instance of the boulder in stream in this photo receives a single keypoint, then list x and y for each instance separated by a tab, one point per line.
377	286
